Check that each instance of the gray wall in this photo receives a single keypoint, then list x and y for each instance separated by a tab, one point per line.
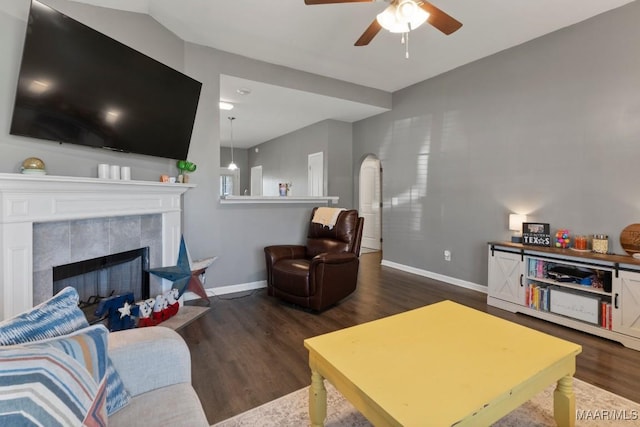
339	162
550	128
285	159
235	233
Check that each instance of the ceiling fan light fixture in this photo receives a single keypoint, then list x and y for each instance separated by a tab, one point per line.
387	18
402	17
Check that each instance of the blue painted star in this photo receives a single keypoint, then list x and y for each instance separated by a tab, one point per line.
179	274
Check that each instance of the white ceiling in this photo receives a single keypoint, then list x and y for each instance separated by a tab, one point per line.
270	111
319	39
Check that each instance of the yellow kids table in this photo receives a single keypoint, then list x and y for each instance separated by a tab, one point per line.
440	365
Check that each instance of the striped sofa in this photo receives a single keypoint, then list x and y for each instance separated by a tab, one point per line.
56	370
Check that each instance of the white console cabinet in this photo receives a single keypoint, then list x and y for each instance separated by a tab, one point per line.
594	293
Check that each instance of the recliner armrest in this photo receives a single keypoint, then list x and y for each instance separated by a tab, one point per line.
334	258
278	252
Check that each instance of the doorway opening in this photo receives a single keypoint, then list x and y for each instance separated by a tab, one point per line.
370	206
230	183
315	176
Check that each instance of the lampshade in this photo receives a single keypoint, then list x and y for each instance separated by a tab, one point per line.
515	221
403	17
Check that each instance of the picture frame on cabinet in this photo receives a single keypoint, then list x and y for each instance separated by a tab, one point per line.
536	234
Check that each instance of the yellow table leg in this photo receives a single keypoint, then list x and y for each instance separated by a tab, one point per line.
564	403
317	400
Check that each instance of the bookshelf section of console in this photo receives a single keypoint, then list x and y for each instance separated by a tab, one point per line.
594	293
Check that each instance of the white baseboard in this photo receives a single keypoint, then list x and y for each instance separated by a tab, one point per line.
230	289
435	276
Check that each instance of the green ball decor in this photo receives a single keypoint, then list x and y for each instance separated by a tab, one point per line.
185	166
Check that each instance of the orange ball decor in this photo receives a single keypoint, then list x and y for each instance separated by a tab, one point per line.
562	238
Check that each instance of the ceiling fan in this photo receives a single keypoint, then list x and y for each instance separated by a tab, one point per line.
401	16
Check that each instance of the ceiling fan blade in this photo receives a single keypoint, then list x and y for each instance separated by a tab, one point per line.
440	19
312	2
369	34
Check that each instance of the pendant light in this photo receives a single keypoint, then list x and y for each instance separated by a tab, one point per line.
232	166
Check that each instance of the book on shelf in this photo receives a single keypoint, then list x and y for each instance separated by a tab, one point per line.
606	315
537	296
538	268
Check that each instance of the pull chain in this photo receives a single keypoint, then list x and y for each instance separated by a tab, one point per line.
405	40
406	47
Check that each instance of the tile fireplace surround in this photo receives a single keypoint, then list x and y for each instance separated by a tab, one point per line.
26	200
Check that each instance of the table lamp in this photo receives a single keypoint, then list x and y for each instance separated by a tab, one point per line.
515	225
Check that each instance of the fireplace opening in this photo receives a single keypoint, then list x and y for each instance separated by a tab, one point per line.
105	276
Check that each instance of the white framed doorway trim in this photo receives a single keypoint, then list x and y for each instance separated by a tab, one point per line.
369	196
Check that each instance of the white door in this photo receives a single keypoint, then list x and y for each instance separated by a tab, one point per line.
369	195
315	177
256	181
505	280
626	295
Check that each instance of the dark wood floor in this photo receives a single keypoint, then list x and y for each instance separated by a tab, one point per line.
248	349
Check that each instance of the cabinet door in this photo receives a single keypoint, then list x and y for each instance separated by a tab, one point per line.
505	280
626	303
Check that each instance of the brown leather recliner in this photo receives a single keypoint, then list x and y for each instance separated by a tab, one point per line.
324	271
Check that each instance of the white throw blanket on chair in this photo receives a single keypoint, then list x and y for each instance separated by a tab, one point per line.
327	216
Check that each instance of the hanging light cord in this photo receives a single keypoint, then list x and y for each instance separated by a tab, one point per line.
232	165
231	119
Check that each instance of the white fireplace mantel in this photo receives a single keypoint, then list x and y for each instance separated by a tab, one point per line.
29	199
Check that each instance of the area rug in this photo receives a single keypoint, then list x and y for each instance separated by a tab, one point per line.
594	407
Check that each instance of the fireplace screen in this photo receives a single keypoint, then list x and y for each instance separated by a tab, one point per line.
105	276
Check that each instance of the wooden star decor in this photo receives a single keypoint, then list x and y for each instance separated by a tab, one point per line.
184	275
180	274
198	268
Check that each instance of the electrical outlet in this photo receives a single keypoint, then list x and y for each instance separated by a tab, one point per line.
447	255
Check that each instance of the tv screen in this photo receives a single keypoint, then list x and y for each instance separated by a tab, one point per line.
79	86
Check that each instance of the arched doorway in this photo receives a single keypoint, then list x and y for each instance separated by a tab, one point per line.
369	195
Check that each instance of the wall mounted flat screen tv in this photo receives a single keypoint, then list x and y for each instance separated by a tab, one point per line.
79	86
